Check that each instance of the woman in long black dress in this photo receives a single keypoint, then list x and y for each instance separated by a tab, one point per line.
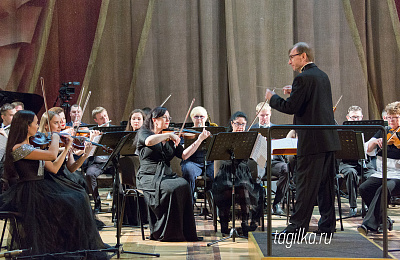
56	217
249	193
168	196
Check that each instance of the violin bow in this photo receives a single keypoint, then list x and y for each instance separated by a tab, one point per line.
80	101
45	102
334	108
83	111
252	123
187	115
165	101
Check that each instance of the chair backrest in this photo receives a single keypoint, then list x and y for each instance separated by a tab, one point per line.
128	166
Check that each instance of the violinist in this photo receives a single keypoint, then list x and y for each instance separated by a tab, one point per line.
18	105
7	112
249	193
60	112
168	196
69	165
54	214
371	189
194	165
135	120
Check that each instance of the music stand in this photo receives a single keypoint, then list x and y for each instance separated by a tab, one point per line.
352	143
368	134
231	146
109	139
278	133
114	128
113	160
204	147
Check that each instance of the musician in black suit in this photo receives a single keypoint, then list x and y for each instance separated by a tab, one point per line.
279	167
311	103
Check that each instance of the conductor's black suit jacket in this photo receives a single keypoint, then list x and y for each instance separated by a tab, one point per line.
311	103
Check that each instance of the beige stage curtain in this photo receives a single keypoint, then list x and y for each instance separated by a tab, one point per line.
222	53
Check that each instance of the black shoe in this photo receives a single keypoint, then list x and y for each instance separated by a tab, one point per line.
363	230
253	226
245	229
389	226
200	238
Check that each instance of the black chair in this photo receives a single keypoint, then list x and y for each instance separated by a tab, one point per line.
13	217
128	167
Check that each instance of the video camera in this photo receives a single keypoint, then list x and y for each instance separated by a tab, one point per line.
68	88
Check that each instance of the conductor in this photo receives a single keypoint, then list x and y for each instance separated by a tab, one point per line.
311	103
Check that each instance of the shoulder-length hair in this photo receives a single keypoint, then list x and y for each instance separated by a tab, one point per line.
129	126
43	121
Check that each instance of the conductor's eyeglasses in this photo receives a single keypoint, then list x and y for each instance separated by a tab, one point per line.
294	55
238	124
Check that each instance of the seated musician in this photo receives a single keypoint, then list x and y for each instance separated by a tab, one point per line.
135	120
279	167
168	196
351	170
194	165
7	112
249	193
76	115
60	112
371	189
70	165
18	105
95	164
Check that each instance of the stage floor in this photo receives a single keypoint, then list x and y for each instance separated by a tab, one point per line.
343	244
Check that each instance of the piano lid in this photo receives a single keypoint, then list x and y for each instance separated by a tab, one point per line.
33	102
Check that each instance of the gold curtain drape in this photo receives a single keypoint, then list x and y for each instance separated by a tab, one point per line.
134	53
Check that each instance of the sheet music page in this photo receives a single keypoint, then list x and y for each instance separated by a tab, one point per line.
3	144
96	140
284	143
259	152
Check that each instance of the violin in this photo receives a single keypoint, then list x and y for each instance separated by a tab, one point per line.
392	138
186	133
43	141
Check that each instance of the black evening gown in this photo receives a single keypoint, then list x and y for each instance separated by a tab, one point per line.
56	215
168	196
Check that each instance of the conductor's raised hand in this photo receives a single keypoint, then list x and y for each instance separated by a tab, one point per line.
268	94
287	89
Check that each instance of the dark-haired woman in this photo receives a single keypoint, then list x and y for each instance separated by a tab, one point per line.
249	193
168	196
135	120
55	217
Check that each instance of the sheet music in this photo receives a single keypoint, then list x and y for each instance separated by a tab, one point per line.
258	153
3	144
96	140
284	143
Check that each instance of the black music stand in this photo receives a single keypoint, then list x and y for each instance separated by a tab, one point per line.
109	139
278	133
352	143
204	147
231	146
368	134
113	160
113	128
